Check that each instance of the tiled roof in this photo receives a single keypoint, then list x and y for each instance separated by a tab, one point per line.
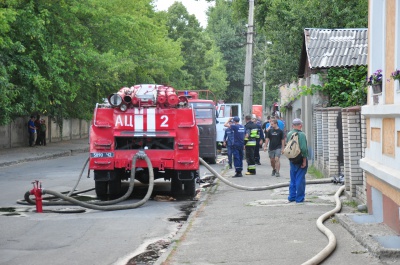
327	48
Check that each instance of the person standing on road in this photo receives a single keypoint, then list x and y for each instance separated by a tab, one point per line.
228	143
298	165
251	137
238	144
266	126
32	131
276	140
38	140
280	123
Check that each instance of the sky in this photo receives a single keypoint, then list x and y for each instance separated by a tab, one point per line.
197	8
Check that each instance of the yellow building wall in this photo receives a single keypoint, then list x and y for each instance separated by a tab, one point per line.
390	49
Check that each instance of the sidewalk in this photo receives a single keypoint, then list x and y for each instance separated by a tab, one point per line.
18	155
233	226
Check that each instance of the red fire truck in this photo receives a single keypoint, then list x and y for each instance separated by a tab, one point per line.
206	122
151	118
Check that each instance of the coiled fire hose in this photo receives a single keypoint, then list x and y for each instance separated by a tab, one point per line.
106	205
323	254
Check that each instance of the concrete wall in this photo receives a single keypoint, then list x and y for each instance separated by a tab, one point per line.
16	133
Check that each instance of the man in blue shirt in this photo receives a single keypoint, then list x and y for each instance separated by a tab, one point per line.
281	125
31	130
238	144
228	143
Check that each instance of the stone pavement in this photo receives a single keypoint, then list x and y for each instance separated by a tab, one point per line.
234	226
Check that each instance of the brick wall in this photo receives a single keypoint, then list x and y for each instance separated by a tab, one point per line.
354	141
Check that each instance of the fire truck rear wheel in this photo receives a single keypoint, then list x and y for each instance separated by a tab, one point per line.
212	160
114	186
176	187
190	187
101	188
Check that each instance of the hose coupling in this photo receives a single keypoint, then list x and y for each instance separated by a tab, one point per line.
141	154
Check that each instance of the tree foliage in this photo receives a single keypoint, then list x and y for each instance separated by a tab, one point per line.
59	58
229	34
282	22
204	67
346	86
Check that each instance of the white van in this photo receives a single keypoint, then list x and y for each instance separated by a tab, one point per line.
223	112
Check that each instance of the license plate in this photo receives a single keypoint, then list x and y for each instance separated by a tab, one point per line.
99	155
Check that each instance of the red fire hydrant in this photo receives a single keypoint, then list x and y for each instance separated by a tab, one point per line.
37	191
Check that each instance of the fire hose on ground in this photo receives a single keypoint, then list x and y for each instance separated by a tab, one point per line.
323	254
106	205
101	205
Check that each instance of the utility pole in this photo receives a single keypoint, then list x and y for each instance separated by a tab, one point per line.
248	73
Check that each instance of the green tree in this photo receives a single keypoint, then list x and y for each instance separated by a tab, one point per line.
203	66
60	58
282	22
229	34
346	86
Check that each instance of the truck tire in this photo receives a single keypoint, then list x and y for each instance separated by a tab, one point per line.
212	160
101	188
190	188
114	186
176	186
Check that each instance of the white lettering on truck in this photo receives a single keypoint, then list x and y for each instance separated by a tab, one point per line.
142	121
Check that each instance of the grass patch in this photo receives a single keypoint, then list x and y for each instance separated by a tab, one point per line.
313	171
334	221
352	204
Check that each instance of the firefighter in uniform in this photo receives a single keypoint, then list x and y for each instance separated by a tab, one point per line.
251	138
238	143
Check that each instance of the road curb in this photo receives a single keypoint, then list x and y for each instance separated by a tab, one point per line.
186	226
44	157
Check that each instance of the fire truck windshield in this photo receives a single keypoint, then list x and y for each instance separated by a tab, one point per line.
204	112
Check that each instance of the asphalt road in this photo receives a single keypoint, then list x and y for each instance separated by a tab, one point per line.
92	237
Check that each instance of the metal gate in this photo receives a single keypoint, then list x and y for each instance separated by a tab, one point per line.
340	157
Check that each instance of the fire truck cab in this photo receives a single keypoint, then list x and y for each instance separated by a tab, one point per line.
206	122
151	118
